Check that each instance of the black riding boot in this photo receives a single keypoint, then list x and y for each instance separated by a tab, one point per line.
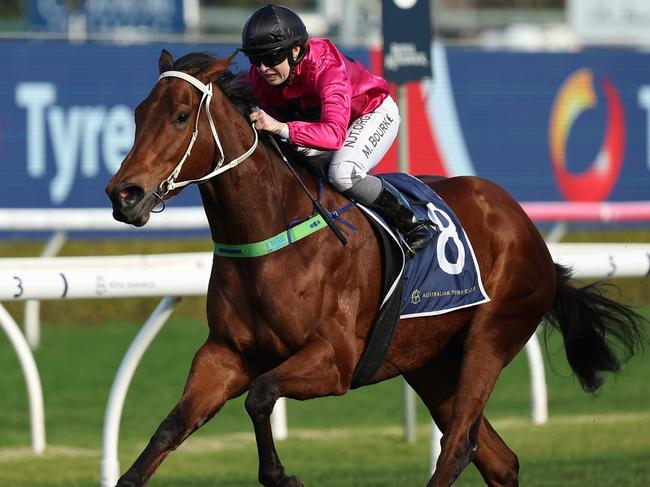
397	211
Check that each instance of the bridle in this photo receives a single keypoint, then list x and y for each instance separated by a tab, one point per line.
170	183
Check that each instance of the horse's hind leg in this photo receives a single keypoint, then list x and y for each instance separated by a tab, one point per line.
216	376
489	345
436	383
312	372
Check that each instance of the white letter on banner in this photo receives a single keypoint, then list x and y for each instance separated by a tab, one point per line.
644	102
119	133
93	121
34	97
66	136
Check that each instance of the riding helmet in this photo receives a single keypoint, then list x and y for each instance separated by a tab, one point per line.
272	28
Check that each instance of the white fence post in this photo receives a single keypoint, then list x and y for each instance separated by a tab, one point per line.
436	436
110	466
32	320
539	398
30	371
408	403
279	420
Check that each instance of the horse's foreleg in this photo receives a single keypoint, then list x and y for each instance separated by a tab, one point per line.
216	375
312	372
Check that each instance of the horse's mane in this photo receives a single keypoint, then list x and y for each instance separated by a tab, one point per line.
234	85
238	90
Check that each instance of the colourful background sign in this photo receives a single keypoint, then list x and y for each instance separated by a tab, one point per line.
548	127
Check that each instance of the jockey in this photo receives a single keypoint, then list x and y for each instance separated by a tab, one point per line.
315	97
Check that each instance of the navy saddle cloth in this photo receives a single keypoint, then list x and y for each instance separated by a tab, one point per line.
443	276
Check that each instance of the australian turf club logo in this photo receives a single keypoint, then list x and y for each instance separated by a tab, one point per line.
415	296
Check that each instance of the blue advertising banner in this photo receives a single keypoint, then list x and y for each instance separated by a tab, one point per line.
103	16
67	121
143	15
556	126
546	126
407	40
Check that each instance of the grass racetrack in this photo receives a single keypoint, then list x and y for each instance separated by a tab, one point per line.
355	440
351	441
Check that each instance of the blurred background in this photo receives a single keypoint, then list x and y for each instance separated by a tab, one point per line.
548	98
546	86
545	24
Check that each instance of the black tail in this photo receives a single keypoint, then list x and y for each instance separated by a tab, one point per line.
594	329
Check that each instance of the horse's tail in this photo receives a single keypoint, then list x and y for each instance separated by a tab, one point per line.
599	333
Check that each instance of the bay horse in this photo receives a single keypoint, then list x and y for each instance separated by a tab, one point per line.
294	323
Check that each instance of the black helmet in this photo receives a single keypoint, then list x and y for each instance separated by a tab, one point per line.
272	28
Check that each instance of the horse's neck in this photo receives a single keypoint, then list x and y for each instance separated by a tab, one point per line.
253	201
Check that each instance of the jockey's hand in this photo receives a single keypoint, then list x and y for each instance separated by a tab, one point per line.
264	121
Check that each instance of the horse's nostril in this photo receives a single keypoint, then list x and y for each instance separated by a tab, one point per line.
129	196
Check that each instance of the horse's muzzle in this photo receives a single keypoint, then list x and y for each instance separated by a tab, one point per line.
130	204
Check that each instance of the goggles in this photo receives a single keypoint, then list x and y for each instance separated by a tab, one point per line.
270	59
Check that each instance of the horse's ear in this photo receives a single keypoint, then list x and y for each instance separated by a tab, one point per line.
212	71
165	62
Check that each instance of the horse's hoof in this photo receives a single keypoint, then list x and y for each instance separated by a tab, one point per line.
292	482
282	481
127	482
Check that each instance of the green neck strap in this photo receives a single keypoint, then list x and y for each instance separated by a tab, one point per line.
272	244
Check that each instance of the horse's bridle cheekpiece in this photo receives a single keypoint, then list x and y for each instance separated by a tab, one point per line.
170	183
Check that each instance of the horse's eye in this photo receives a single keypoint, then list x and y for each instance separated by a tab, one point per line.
182	118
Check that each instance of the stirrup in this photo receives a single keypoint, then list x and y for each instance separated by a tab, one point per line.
414	242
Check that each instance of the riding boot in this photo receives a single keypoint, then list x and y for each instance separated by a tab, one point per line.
395	208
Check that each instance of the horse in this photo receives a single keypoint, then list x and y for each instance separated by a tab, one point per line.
294	323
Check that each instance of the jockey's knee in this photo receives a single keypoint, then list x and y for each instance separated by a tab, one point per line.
351	178
344	174
365	190
339	184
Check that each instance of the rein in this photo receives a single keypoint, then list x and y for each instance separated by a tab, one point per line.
170	183
244	250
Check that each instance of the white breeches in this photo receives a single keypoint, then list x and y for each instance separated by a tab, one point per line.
369	138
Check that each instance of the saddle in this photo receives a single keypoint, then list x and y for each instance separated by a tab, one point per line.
442	277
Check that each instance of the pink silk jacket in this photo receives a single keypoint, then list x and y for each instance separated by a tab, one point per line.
326	94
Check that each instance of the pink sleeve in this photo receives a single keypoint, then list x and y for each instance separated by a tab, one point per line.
335	91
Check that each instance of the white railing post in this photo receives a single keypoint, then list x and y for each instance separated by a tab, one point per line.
279	420
436	436
32	319
539	396
408	400
33	380
110	466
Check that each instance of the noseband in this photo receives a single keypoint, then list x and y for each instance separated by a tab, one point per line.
170	183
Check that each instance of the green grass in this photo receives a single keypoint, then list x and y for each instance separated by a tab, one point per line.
355	440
